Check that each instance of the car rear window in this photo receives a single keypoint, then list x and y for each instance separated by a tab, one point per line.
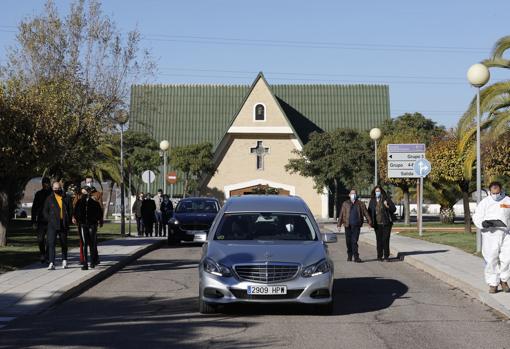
265	226
197	206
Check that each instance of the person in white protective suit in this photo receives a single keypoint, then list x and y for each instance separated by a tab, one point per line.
492	216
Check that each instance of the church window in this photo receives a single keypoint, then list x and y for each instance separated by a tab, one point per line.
260	112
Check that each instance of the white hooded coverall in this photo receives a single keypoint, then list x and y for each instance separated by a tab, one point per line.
495	241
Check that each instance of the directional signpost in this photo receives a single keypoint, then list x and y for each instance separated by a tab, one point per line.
408	161
401	159
422	168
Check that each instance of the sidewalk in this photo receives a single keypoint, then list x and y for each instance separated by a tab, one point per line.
32	289
449	264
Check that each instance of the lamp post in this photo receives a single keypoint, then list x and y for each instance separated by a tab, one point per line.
478	75
375	134
122	117
164	145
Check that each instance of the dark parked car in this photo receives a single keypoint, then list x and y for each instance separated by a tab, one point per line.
192	219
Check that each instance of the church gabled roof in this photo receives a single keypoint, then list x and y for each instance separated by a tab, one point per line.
187	114
260	76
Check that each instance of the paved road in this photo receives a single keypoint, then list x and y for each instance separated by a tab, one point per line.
152	303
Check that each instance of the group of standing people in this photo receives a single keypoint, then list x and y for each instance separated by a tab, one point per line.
380	215
492	217
53	212
152	214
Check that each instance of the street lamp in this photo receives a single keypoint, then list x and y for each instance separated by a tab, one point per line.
122	117
164	145
478	75
375	134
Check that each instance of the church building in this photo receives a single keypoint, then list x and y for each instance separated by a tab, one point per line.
255	129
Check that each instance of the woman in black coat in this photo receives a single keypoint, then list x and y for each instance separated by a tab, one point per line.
148	211
382	210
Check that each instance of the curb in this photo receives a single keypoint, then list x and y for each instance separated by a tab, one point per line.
80	287
463	286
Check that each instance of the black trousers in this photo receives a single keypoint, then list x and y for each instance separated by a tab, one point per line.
148	227
351	240
41	239
139	225
382	234
89	235
52	241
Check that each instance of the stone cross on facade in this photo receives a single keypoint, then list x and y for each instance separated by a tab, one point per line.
259	151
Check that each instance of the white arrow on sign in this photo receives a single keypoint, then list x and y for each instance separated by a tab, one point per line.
422	167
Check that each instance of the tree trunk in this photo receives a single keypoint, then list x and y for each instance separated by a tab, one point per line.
446	215
185	185
4	217
336	198
107	207
467	213
407	208
3	234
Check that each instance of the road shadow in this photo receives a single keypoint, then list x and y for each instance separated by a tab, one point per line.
401	255
351	296
147	264
158	265
366	294
130	322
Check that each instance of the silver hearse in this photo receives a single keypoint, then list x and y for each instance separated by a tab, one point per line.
266	249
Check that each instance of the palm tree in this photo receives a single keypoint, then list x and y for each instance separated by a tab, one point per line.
494	102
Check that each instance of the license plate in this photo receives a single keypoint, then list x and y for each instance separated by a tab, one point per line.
194	232
266	290
200	237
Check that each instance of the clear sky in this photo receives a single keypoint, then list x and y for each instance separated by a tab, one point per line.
421	49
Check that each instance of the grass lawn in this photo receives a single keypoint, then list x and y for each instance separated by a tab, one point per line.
22	248
465	242
432	225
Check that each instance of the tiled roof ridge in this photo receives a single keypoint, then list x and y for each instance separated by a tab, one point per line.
272	85
191	85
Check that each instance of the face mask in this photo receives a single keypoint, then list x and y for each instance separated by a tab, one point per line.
353	197
378	194
498	197
58	191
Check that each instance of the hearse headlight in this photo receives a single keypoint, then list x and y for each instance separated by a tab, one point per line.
217	269
174	221
321	267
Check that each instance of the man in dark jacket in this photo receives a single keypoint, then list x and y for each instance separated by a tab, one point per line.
38	221
137	210
148	214
57	211
167	211
351	217
381	210
88	215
